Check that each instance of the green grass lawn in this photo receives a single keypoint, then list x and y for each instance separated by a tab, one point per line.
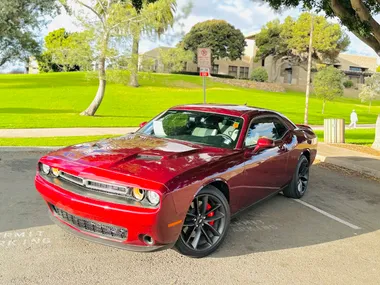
358	136
56	99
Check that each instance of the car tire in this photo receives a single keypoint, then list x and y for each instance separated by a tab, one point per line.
204	229
298	186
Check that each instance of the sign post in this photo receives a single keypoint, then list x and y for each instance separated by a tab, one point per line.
204	64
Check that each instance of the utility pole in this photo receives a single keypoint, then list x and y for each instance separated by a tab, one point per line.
309	65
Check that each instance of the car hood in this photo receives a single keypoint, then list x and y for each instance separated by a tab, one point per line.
141	156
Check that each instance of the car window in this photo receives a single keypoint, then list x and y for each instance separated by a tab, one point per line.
280	127
199	127
266	127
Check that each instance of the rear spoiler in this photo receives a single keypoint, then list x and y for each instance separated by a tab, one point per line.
305	128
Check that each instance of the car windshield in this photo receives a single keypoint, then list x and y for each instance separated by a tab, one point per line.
197	127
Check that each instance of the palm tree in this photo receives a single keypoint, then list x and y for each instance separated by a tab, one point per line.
162	22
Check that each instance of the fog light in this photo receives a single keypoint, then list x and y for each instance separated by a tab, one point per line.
55	171
45	168
138	193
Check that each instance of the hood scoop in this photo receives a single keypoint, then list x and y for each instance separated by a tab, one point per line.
149	157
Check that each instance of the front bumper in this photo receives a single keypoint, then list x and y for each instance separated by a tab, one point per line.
137	221
103	241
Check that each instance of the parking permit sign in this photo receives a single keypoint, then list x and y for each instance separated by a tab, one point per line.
204	57
204	71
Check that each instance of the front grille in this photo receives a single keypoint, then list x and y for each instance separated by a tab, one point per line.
100	229
71	178
96	185
105	187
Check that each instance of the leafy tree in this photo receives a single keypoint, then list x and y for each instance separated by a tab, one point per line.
259	75
70	51
357	15
108	25
175	58
224	39
348	84
19	21
46	64
289	41
370	90
328	84
164	19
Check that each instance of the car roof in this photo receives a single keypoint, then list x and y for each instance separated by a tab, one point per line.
224	109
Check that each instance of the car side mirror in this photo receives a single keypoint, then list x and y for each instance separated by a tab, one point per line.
263	143
143	124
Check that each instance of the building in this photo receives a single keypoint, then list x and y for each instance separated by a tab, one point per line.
238	68
356	67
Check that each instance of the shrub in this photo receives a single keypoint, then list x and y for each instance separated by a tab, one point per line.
348	84
259	75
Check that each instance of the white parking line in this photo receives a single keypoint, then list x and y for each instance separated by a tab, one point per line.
327	214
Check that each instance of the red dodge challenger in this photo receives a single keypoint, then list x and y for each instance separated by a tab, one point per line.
177	180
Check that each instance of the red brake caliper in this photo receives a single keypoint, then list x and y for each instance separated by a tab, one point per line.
211	214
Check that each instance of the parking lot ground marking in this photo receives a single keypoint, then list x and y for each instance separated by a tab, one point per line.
328	214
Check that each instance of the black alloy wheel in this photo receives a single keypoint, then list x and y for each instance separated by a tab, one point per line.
206	223
300	181
303	177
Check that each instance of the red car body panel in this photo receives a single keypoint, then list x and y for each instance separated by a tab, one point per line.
176	171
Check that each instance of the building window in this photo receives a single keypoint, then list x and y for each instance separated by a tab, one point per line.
243	74
263	62
215	69
356	69
232	70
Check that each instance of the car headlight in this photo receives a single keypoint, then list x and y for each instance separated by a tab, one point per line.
45	168
138	193
153	197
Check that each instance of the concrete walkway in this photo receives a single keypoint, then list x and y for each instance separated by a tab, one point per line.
353	160
72	132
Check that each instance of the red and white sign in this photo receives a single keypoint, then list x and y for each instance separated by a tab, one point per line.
204	71
204	57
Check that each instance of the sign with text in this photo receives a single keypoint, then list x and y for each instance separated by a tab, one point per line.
204	71
204	57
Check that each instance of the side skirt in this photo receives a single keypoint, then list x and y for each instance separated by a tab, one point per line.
238	213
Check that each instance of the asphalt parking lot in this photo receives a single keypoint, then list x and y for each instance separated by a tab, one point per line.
331	236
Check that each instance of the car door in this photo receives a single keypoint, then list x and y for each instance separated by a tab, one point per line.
265	171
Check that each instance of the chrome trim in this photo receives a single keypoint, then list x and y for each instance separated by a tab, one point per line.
68	176
104	187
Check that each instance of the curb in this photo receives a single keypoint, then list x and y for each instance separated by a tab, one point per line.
338	162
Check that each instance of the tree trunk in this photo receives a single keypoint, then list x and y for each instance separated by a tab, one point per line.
134	62
369	106
323	106
376	143
91	110
306	118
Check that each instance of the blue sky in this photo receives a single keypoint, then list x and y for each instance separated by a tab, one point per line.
247	15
